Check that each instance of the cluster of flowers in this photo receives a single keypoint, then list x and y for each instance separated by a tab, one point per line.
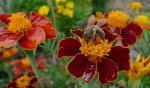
95	49
141	20
28	32
65	7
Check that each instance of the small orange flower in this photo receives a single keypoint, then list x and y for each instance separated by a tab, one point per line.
28	31
8	53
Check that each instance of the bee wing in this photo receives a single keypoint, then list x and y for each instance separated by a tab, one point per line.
101	34
91	20
101	22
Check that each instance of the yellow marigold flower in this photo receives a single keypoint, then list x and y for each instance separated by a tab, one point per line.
60	1
68	12
117	19
135	6
60	8
70	4
98	16
19	23
140	68
43	10
142	20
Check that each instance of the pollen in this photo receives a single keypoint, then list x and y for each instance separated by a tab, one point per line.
117	19
23	81
19	23
99	48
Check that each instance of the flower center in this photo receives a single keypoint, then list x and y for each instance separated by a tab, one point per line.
19	23
117	19
23	81
95	50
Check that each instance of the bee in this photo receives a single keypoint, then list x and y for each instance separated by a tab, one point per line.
92	31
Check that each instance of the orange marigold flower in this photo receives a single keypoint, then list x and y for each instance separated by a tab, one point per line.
92	52
8	53
24	81
23	64
28	31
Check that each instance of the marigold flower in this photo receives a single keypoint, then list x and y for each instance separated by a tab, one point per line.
29	32
142	20
140	68
98	16
8	53
94	54
60	1
123	27
68	12
60	8
117	19
70	4
43	10
24	81
23	64
135	6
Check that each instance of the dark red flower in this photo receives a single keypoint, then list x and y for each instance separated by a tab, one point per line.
24	81
91	56
28	31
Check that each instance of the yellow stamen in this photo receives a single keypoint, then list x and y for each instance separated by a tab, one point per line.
23	81
19	23
95	50
117	19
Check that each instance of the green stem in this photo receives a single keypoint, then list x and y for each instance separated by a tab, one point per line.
53	13
33	65
134	83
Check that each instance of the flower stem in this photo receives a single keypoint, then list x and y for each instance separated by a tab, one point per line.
31	58
53	13
134	83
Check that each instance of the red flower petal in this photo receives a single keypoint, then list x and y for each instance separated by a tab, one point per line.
78	32
136	28
4	18
120	56
110	36
8	39
78	65
108	71
43	22
34	37
91	67
68	47
129	37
